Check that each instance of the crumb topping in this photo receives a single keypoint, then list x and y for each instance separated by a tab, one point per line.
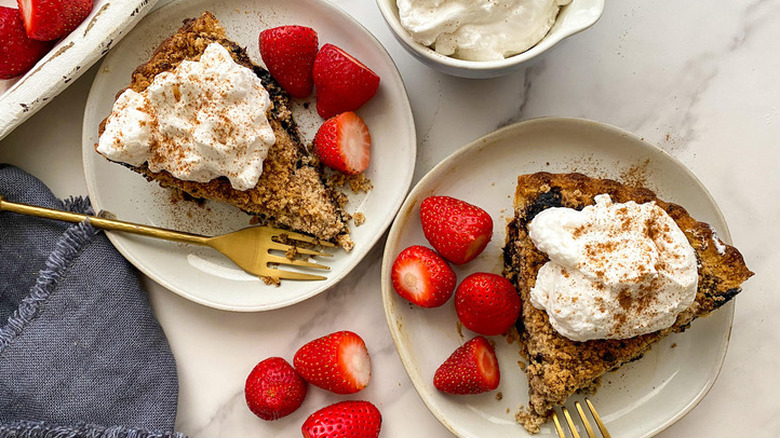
557	367
292	191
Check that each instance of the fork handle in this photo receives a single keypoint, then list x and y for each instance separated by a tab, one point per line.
103	223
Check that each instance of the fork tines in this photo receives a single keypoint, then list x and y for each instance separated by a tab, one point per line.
298	250
283	235
583	418
287	240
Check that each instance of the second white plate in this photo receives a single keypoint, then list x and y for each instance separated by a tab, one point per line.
201	274
640	399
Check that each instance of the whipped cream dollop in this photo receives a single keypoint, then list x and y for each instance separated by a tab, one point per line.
203	120
478	30
616	270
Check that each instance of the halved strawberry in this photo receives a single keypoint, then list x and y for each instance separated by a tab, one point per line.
459	231
487	303
343	83
343	143
338	362
471	369
347	419
288	52
47	20
18	53
273	389
423	277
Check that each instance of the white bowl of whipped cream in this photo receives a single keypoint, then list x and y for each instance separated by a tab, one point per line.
485	38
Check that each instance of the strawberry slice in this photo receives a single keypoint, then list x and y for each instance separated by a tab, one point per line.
471	369
47	20
347	419
343	83
422	277
343	143
273	389
459	231
18	53
338	362
487	303
289	52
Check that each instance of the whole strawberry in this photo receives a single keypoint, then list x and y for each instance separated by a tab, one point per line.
487	303
347	419
47	20
422	277
338	362
18	53
343	83
273	389
288	52
459	231
471	369
343	143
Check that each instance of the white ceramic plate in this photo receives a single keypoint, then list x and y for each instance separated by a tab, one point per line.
638	400
21	97
201	274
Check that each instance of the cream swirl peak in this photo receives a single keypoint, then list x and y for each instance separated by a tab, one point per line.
203	120
478	30
616	270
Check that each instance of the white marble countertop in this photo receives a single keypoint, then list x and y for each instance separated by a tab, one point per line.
699	82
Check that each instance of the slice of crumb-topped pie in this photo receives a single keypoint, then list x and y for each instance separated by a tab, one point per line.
605	271
201	118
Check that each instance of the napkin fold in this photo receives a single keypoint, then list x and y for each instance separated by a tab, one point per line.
81	351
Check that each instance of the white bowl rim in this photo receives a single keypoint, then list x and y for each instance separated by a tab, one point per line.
388	11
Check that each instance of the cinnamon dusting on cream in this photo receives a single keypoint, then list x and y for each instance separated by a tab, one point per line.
615	270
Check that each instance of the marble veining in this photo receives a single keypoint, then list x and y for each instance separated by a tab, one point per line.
532	72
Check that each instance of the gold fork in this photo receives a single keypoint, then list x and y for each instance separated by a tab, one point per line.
584	419
250	248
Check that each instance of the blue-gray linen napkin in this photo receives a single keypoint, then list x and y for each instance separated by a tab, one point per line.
81	351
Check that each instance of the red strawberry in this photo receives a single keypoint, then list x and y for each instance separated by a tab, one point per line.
347	419
288	52
343	143
18	53
487	303
338	362
422	277
47	20
273	389
458	230
471	369
343	83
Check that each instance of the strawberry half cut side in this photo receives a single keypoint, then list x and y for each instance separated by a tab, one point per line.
338	362
343	143
421	276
